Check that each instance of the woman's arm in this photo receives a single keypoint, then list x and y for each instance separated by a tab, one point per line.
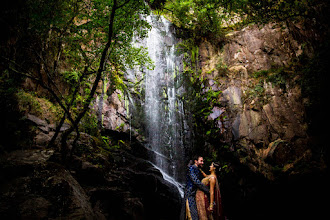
212	185
203	173
196	181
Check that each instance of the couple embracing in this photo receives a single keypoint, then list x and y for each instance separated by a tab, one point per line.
202	200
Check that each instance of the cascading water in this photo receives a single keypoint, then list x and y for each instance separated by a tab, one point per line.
163	108
161	104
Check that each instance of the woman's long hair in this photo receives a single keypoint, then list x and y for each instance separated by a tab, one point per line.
218	212
217	166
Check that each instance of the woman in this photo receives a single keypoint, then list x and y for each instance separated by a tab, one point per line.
210	209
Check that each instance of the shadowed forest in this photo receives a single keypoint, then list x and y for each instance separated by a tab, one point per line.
104	103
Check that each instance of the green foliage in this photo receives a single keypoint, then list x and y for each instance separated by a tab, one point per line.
89	35
89	124
30	103
44	14
199	18
190	51
225	168
205	18
120	127
71	77
256	92
261	73
61	44
269	10
105	140
279	76
211	158
156	4
198	99
16	133
221	67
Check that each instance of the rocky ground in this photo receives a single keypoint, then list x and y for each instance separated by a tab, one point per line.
113	183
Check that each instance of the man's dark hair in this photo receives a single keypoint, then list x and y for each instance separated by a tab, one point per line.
196	157
192	161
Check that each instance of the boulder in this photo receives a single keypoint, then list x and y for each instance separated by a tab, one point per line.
37	121
34	187
233	96
35	208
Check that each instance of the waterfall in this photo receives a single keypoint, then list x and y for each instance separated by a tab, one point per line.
163	119
162	107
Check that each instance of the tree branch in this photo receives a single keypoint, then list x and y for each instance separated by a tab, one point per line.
95	84
123	4
41	83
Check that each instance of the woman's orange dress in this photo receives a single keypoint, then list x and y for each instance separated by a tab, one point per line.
203	204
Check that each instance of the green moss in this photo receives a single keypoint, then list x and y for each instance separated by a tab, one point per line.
89	124
30	103
277	76
256	91
221	67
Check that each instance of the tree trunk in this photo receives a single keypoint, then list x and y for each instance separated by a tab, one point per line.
64	146
100	106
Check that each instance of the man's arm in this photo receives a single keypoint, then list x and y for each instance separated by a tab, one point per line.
193	176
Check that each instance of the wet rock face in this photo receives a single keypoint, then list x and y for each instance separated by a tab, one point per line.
258	113
258	48
114	113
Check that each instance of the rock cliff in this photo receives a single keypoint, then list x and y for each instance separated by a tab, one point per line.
265	123
264	120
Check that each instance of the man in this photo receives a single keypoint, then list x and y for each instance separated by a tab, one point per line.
193	183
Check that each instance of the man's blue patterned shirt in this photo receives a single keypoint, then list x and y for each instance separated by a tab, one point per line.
193	182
